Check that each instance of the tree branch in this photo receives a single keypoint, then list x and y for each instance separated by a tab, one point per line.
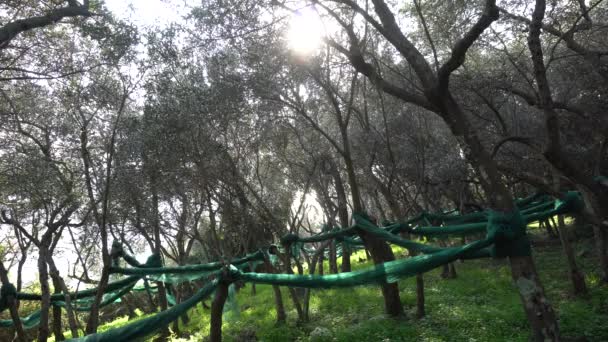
14	28
365	68
459	51
522	140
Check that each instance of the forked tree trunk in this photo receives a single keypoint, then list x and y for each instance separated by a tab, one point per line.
437	98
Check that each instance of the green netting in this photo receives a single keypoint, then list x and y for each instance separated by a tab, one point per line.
33	319
147	326
209	267
112	286
471	217
521	203
180	277
28	322
386	272
571	202
108	298
539	208
291	238
458	229
509	233
369	227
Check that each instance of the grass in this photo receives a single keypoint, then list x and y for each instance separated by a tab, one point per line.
481	304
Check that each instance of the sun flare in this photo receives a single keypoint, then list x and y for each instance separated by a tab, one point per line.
305	31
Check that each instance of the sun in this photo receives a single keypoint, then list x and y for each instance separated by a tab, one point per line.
305	31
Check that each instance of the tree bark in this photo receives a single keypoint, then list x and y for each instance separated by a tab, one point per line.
286	259
342	213
12	29
45	303
60	285
12	307
538	310
576	276
162	293
278	302
57	326
420	311
333	262
217	308
278	296
381	252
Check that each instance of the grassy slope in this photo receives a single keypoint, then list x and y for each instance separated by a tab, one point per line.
480	305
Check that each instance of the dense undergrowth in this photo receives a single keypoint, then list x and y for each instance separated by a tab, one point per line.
481	304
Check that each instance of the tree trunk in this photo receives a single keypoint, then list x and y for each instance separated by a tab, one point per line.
449	270
452	271
577	277
60	285
599	233
381	253
321	271
285	257
600	246
538	310
278	302
278	296
342	214
10	301
162	293
45	303
93	321
420	306
345	267
333	262
523	271
57	328
549	228
420	311
253	289
217	308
